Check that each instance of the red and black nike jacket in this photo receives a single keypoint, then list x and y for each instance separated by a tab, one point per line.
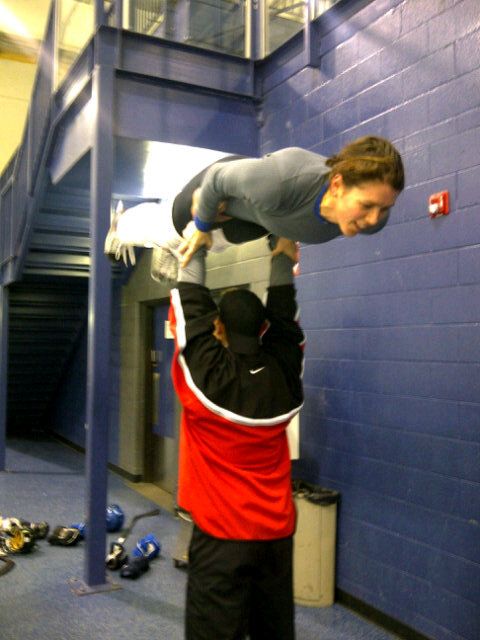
234	467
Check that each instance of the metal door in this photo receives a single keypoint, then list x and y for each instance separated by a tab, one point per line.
164	422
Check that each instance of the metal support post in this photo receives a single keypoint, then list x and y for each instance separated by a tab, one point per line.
99	14
256	29
99	319
311	39
119	14
4	312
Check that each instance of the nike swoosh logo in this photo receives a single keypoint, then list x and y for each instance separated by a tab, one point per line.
254	371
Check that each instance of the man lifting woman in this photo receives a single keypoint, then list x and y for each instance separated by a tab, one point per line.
237	368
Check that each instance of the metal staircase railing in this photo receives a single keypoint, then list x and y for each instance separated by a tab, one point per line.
19	179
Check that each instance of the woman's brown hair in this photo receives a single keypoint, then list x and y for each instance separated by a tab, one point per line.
369	159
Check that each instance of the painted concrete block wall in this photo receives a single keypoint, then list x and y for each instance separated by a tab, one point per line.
16	81
392	376
19	20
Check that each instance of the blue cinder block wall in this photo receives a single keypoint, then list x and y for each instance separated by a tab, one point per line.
392	377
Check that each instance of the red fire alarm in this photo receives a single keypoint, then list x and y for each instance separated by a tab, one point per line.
439	204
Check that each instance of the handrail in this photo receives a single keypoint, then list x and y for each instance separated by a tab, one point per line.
19	177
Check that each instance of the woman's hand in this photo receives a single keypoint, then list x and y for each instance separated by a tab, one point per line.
189	247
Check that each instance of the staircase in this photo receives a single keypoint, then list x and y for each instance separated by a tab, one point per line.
44	259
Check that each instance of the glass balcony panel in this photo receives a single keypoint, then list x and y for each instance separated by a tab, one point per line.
285	19
75	26
317	7
218	25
